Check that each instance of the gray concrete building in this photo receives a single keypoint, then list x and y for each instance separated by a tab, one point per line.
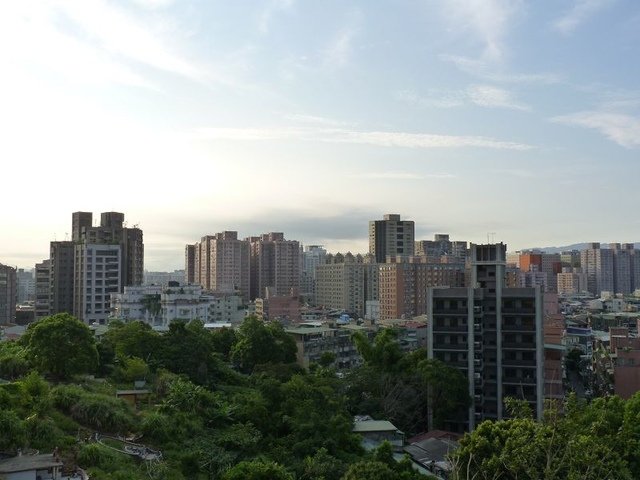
61	282
42	304
597	264
391	237
441	246
99	260
26	285
8	294
312	256
493	334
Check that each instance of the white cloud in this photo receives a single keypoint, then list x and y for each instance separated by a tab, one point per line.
516	172
488	96
313	119
581	11
267	14
489	20
338	53
488	71
92	42
121	34
401	176
154	4
337	135
622	129
435	98
480	95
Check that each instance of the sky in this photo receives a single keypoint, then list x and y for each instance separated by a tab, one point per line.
509	120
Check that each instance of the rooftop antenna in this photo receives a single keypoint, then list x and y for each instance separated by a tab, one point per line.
491	237
66	236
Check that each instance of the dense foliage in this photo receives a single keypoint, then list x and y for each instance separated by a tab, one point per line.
233	404
405	388
598	440
224	404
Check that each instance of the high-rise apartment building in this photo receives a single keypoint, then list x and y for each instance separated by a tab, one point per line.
98	270
346	282
570	258
98	261
220	263
163	278
26	285
551	264
404	281
493	334
391	237
275	263
597	264
42	306
535	263
190	264
571	281
61	282
312	256
8	294
623	268
441	246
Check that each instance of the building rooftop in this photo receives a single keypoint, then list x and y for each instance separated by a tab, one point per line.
133	392
306	330
23	463
367	426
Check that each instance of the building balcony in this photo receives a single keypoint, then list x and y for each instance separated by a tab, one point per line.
518	328
518	363
451	311
451	346
445	329
519	380
518	311
519	345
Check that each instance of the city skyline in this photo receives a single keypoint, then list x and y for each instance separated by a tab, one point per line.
510	119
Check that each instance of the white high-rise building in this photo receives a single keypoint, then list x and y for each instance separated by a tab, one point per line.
312	256
98	274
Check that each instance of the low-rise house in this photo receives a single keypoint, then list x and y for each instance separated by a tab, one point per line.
284	308
159	306
134	397
376	432
32	467
430	452
312	342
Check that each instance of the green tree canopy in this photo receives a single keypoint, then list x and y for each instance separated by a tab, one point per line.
61	345
259	343
583	444
257	470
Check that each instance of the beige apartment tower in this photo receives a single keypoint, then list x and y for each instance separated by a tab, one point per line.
275	264
219	263
404	281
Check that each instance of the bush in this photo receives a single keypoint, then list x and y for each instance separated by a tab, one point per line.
43	433
107	414
13	431
96	455
66	396
132	369
157	427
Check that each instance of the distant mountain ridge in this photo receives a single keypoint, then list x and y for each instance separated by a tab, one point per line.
574	246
